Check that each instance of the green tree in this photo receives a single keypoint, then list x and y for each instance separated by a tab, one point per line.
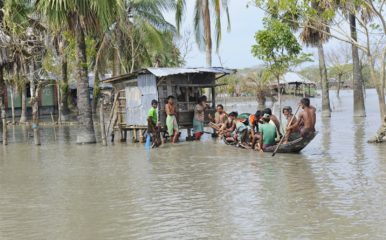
315	33
277	46
202	23
339	64
81	18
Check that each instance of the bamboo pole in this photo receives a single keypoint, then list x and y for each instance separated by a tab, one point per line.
112	112
4	122
102	123
13	106
53	124
59	102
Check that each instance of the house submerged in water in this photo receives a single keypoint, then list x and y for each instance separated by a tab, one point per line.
134	93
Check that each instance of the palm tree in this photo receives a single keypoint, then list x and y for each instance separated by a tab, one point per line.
81	18
16	21
315	33
135	39
202	23
4	60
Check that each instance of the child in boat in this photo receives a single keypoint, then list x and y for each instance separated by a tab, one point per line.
199	117
220	117
292	130
229	126
274	121
241	132
267	132
152	123
254	121
171	120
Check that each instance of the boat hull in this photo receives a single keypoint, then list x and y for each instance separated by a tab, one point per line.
294	146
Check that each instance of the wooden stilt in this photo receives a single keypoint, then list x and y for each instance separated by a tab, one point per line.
102	123
4	123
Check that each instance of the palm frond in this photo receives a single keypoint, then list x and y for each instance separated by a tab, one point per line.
179	13
198	25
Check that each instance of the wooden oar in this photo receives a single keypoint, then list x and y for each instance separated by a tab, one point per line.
285	134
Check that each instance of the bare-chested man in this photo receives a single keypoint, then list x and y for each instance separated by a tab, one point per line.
307	118
171	120
292	130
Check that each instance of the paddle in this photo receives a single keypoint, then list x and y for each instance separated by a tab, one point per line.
285	134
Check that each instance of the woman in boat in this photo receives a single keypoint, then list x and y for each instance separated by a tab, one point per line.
199	117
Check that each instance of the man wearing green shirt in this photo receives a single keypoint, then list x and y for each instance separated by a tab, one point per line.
267	132
152	123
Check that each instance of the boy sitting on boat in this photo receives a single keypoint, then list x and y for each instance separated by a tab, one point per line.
267	133
229	126
293	130
220	117
254	121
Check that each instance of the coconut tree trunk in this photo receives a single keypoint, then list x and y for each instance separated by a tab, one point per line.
117	63
326	110
64	91
339	82
279	97
207	32
23	116
261	99
358	96
34	104
35	118
86	132
378	86
13	105
2	107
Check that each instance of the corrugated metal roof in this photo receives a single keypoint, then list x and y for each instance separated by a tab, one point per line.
163	72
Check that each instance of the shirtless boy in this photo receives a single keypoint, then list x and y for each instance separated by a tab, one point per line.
220	117
171	120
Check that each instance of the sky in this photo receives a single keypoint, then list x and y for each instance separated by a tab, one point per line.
235	47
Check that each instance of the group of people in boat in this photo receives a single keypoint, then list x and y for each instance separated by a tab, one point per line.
257	131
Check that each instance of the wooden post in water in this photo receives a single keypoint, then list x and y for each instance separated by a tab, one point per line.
35	121
35	91
13	106
59	102
4	122
102	123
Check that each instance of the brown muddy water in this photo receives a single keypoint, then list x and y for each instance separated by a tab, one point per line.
334	189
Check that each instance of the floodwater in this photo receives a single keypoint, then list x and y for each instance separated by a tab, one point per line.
334	189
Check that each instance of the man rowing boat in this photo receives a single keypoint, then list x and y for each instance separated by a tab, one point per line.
307	118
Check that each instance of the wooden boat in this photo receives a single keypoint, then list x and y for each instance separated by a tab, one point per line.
291	147
294	146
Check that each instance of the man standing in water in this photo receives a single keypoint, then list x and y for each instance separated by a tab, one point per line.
171	121
152	123
199	117
307	118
